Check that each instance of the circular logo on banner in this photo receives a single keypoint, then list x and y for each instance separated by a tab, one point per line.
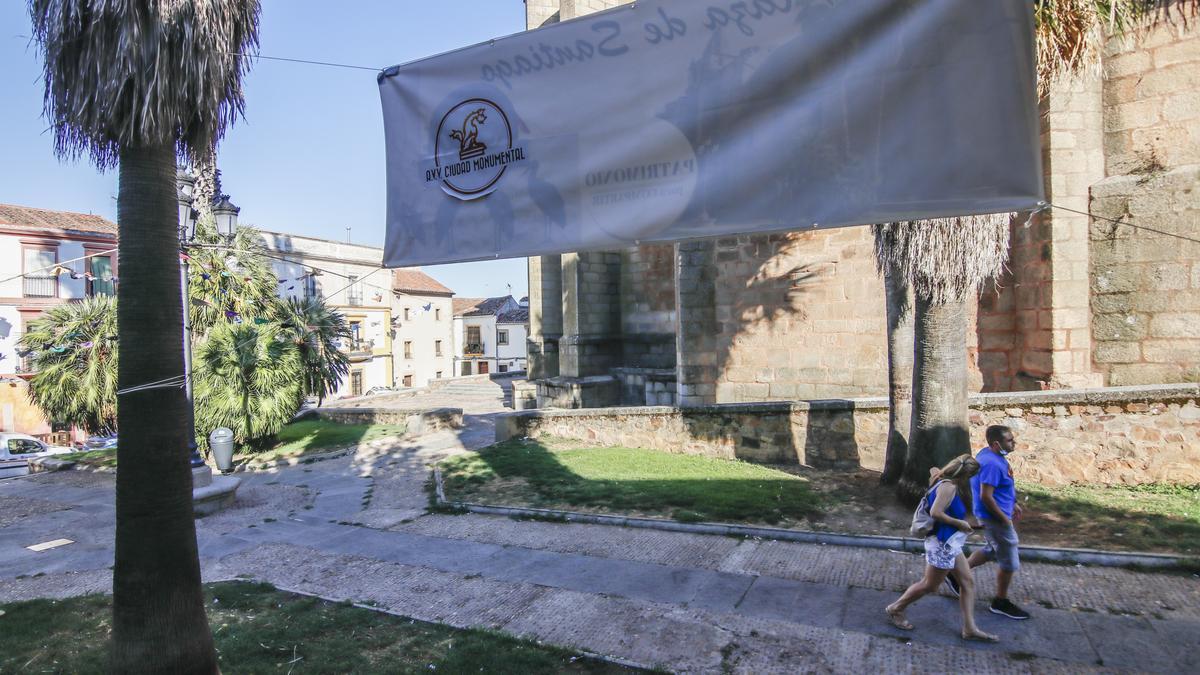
473	149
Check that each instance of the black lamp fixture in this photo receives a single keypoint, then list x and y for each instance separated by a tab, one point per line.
186	188
226	215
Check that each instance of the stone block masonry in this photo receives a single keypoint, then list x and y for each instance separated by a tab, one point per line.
1145	287
1111	436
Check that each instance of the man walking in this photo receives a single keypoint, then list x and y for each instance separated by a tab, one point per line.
994	494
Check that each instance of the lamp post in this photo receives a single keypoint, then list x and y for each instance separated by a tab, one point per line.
226	215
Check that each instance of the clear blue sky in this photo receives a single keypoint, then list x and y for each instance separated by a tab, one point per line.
308	158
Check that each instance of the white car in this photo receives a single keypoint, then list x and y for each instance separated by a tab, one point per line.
17	449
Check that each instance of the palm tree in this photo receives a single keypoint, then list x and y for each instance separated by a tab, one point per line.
74	354
249	380
945	261
317	330
229	281
134	85
898	303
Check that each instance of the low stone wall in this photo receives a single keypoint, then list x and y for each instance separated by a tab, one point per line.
415	421
1120	435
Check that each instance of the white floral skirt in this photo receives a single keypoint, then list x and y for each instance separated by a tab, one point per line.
942	554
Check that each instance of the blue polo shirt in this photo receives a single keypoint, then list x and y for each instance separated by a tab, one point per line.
994	470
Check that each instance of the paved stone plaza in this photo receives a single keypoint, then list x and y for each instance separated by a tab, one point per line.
356	528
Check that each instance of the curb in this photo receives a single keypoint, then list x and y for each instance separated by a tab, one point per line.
1079	556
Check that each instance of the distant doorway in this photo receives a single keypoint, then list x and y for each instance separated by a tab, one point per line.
356	383
466	368
483	367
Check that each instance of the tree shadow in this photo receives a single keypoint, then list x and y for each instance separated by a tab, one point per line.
1073	516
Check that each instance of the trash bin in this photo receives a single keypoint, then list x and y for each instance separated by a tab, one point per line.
220	441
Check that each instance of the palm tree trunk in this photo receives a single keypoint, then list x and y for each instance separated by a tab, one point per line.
158	605
939	402
900	372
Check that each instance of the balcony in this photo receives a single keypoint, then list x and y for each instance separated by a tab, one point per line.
361	350
40	287
473	349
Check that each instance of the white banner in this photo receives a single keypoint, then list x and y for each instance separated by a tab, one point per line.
678	119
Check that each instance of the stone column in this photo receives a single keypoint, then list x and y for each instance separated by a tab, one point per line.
591	302
539	13
1052	289
696	318
545	316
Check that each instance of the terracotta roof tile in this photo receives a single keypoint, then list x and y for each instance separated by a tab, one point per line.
479	306
65	221
417	282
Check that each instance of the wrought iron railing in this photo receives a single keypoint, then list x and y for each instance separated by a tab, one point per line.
473	349
40	287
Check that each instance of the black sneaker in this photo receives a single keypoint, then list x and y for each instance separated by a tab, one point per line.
1005	607
952	585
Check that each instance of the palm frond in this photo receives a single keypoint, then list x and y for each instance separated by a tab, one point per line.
318	330
121	73
74	355
229	283
1071	33
946	259
248	380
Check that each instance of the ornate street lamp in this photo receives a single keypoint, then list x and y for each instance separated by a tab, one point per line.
226	215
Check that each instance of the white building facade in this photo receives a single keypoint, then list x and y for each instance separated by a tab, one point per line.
47	258
349	277
423	324
489	335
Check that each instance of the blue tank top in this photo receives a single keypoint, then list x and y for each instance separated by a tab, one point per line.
956	509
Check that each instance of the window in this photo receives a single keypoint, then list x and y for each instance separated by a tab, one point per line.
40	281
354	296
437	347
408	349
356	383
24	446
310	287
406	314
437	314
502	337
408	380
101	279
438	375
355	335
502	368
474	341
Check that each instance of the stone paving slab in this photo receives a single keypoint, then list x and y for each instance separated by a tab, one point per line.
1103	589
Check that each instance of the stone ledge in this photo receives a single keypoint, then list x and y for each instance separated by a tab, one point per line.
416	421
1133	394
215	496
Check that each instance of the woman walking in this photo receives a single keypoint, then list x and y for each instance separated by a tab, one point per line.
947	497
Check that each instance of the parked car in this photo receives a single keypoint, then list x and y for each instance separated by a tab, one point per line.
100	443
17	449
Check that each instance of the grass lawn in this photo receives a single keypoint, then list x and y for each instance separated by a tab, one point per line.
309	436
569	475
258	629
1139	518
558	474
106	459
